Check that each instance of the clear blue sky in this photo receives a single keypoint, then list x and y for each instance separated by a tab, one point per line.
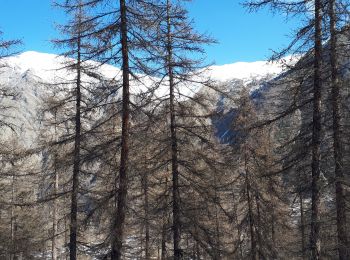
242	36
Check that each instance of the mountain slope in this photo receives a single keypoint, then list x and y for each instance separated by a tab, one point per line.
27	73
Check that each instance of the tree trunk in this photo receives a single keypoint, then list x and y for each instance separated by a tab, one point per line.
302	226
217	224
343	244
54	210
315	244
118	227
146	209
198	252
54	221
65	234
13	245
258	232
273	236
163	256
76	164
253	249
236	225
164	225
174	151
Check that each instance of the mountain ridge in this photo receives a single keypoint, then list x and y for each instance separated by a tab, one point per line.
49	63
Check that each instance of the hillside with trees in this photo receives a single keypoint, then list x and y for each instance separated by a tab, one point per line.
128	145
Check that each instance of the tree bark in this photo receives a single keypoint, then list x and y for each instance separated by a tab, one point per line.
343	244
315	243
118	226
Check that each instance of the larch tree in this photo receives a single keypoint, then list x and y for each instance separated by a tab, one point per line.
73	105
184	115
261	208
315	243
119	41
118	227
315	145
343	242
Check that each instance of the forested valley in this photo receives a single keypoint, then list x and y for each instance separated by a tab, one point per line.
127	146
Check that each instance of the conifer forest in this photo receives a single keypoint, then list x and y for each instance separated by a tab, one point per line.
128	145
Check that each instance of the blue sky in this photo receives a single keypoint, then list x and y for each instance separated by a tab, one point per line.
242	36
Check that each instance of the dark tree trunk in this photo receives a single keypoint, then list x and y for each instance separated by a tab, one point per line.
54	210
273	235
302	226
235	219
76	163
163	256
174	149
146	209
13	223
65	235
258	232
164	225
343	244
217	224
198	254
315	244
253	243
118	227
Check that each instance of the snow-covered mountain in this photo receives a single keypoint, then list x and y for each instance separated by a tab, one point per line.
246	71
26	72
46	67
